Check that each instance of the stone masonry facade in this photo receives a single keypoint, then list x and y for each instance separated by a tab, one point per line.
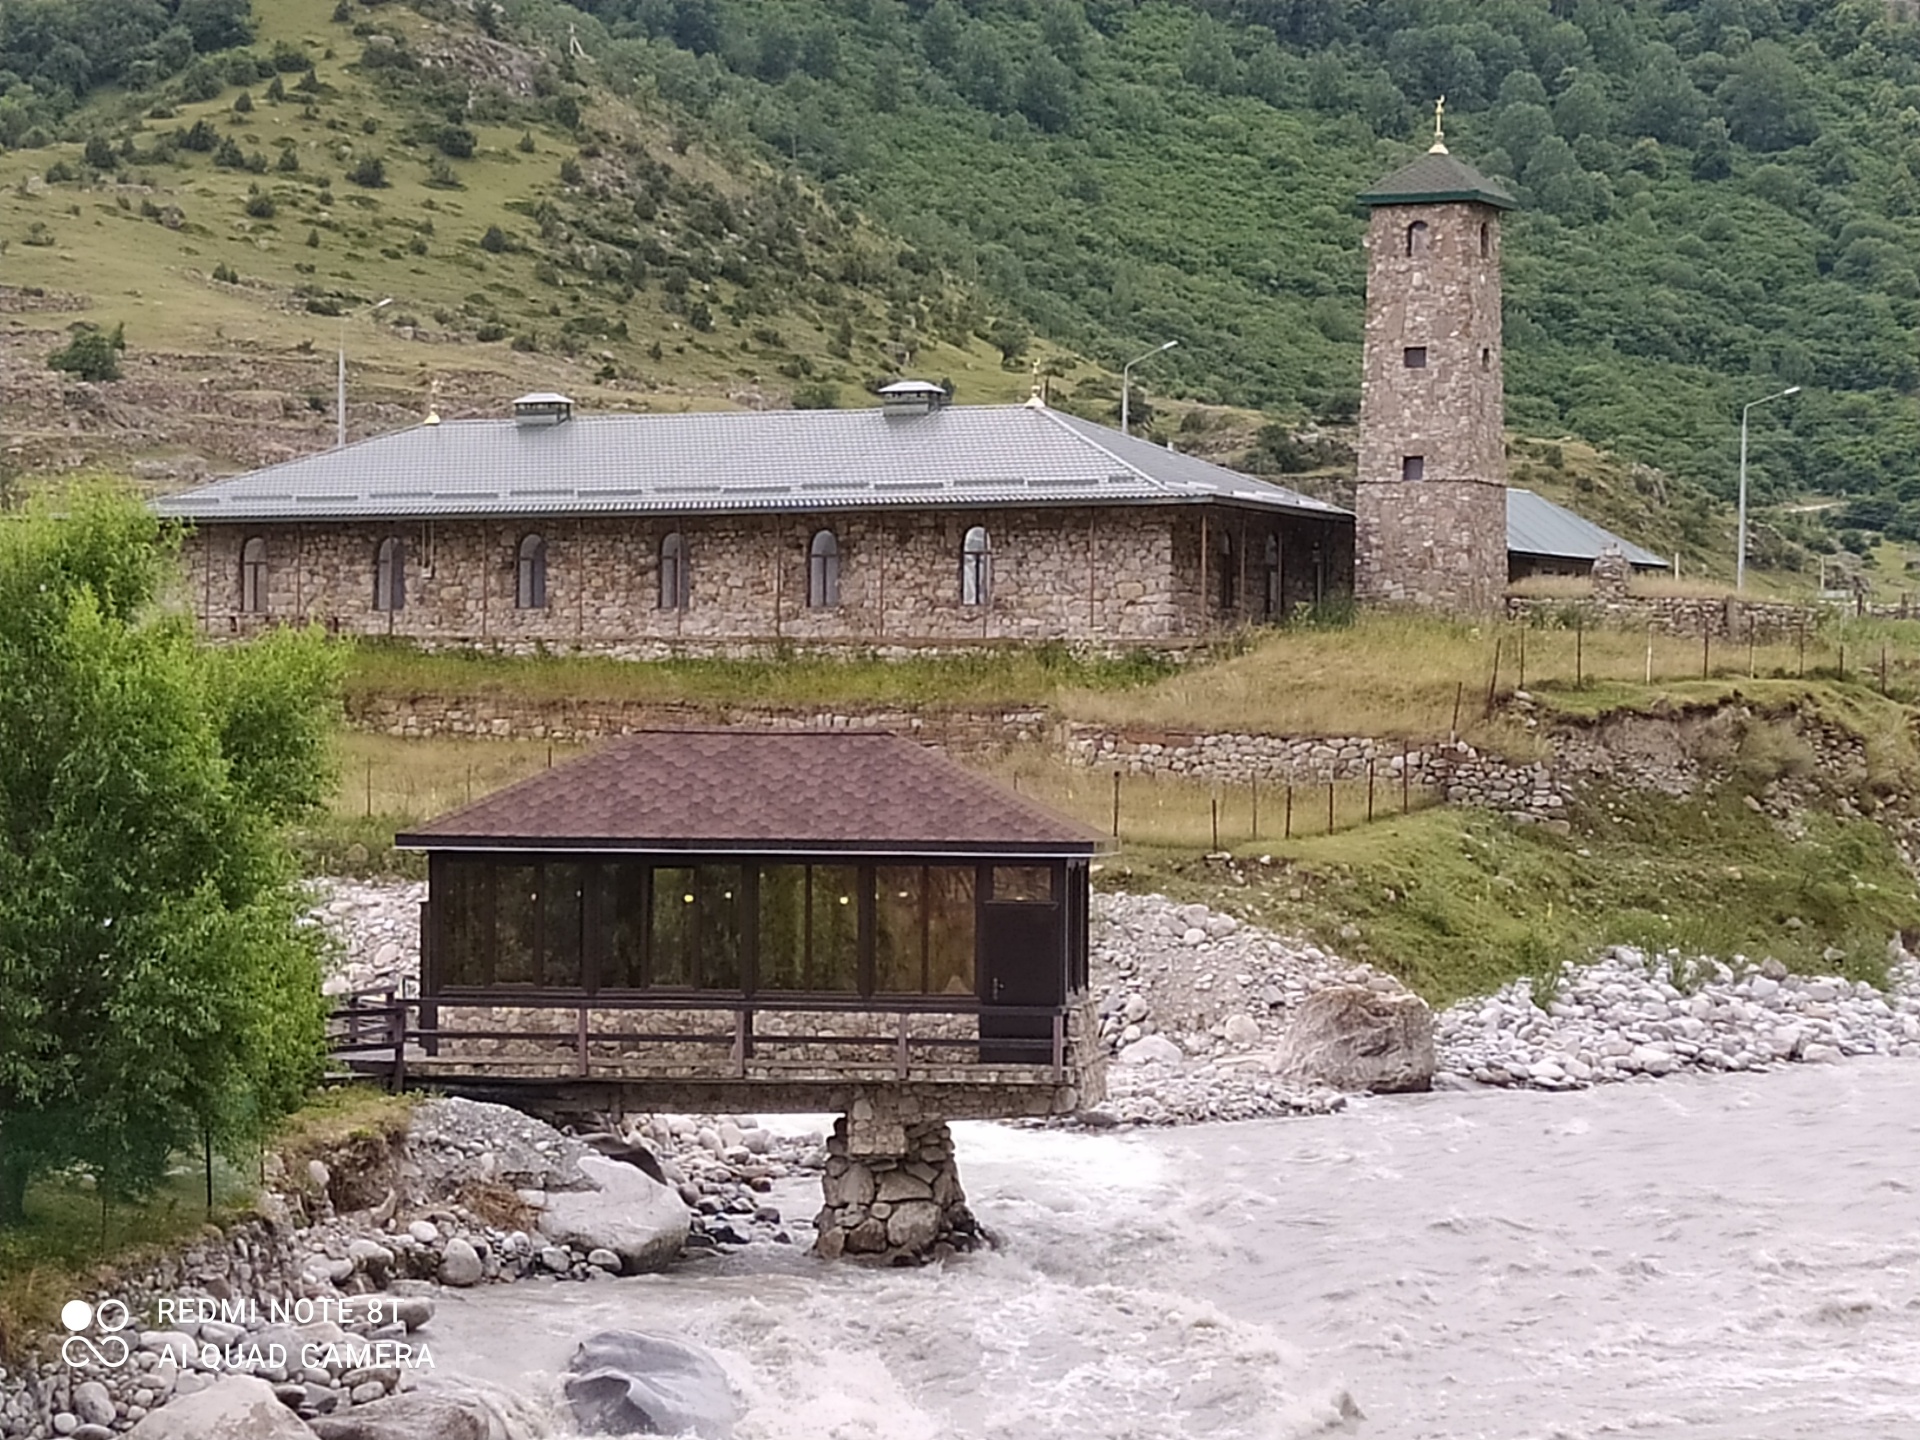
1430	499
1102	577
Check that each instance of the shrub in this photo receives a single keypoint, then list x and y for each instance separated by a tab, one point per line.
457	141
92	354
370	171
323	305
494	242
276	90
491	331
700	316
260	204
202	137
289	57
313	239
440	175
244	105
570	171
816	395
289	161
99	154
226	274
526	146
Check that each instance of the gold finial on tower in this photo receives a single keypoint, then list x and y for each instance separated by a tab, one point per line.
1439	146
433	401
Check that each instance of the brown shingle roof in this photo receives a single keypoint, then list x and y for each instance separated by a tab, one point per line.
764	790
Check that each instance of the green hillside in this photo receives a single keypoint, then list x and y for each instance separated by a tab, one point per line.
1717	194
662	203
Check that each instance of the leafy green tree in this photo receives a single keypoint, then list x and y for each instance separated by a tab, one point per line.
1767	101
92	354
158	987
216	24
1044	91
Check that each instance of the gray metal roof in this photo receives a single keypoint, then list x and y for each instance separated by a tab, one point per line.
1537	526
783	460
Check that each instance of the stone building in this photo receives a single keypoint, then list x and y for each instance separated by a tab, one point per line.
1430	499
910	526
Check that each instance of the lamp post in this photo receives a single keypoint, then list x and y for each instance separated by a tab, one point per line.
1126	380
1740	559
340	392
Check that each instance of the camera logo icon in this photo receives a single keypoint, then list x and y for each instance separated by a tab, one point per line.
81	1350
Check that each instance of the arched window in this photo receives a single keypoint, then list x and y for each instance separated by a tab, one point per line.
1229	575
253	576
676	578
1417	238
530	593
1270	598
976	567
390	575
1486	240
823	571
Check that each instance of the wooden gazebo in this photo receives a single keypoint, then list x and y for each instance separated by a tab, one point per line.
705	918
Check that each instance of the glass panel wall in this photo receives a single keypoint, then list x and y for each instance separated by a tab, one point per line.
627	924
516	925
950	933
900	929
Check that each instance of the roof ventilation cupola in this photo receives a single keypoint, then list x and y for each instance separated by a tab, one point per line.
911	397
541	408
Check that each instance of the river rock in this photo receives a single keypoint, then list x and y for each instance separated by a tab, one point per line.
234	1407
1353	1037
416	1415
1151	1050
460	1265
624	1382
630	1213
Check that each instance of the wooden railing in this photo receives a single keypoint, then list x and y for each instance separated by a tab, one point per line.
372	1031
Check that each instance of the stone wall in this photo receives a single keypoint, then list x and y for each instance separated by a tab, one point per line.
1454	771
1105	577
1723	617
1436	544
570	722
1433	294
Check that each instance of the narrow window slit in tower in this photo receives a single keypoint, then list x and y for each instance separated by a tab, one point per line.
1415	357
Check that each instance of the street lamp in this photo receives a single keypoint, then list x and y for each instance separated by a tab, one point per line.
1126	379
340	393
1740	559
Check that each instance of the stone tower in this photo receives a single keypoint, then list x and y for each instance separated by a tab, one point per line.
1432	495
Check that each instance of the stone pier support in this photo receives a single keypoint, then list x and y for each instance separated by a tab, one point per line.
892	1193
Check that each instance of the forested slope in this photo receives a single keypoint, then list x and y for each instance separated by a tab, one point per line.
1719	195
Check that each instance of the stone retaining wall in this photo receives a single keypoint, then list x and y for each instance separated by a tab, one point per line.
571	722
1723	617
1455	770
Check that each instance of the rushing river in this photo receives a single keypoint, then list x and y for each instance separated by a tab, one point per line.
1731	1258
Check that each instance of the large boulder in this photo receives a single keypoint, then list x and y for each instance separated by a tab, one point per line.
414	1415
625	1382
642	1221
1351	1037
234	1407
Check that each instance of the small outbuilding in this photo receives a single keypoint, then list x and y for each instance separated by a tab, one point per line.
1548	539
732	920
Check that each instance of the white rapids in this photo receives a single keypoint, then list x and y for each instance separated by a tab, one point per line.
1719	1258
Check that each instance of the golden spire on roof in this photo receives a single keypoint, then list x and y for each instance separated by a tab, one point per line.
1036	393
1439	146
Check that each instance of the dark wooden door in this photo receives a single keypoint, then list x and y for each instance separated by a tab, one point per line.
1020	965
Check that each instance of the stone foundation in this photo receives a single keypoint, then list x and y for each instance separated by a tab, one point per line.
900	1206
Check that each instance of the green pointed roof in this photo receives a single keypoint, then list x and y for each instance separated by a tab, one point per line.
1436	178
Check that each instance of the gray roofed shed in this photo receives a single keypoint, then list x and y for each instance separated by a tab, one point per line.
734	462
1537	526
